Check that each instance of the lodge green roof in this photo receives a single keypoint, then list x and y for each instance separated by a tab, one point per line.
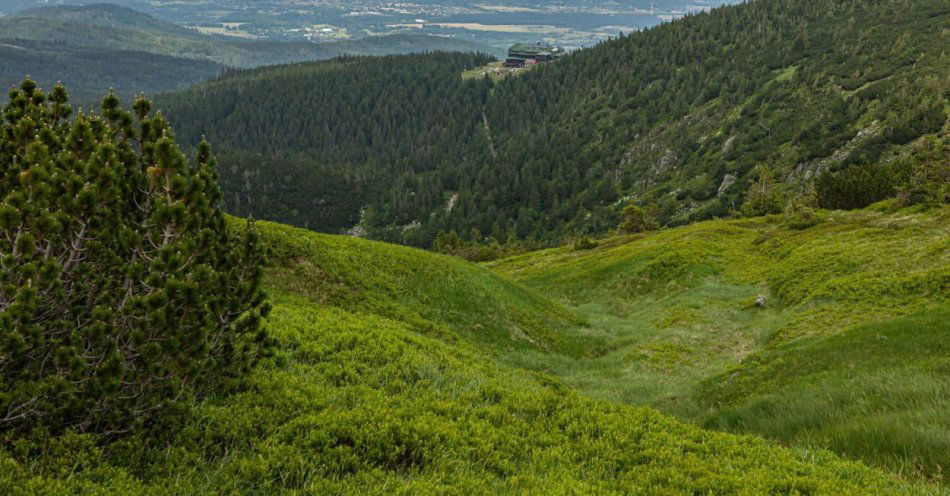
540	48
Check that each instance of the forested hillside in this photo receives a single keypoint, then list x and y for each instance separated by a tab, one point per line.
94	47
685	116
106	15
89	69
337	133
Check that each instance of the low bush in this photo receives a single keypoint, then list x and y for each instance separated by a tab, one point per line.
858	185
801	217
763	196
582	243
122	293
636	219
929	181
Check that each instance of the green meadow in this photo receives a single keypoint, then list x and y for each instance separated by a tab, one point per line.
400	371
850	353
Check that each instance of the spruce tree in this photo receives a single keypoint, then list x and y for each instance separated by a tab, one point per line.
122	292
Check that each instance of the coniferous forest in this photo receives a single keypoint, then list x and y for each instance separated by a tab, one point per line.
321	174
683	117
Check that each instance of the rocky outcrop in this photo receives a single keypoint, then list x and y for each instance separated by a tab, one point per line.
359	230
806	171
727	146
667	161
451	203
727	181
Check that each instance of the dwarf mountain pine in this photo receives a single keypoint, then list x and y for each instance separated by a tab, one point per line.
122	292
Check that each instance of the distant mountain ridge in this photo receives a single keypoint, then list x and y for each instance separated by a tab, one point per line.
83	46
107	15
93	70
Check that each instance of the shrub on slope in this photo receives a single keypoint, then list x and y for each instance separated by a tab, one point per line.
122	292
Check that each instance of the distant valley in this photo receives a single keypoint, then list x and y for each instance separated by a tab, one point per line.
573	24
95	47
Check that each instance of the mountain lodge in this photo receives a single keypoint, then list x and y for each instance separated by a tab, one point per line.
523	54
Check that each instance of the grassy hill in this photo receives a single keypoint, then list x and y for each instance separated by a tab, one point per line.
425	291
849	353
385	383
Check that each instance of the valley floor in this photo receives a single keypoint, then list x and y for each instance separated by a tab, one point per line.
851	351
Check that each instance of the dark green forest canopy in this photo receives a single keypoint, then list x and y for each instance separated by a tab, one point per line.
311	143
681	115
92	70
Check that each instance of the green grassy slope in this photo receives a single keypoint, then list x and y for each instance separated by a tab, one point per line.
429	293
879	391
675	325
383	385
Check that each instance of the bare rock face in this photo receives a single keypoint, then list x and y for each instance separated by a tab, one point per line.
727	181
359	230
760	301
451	203
667	160
727	146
